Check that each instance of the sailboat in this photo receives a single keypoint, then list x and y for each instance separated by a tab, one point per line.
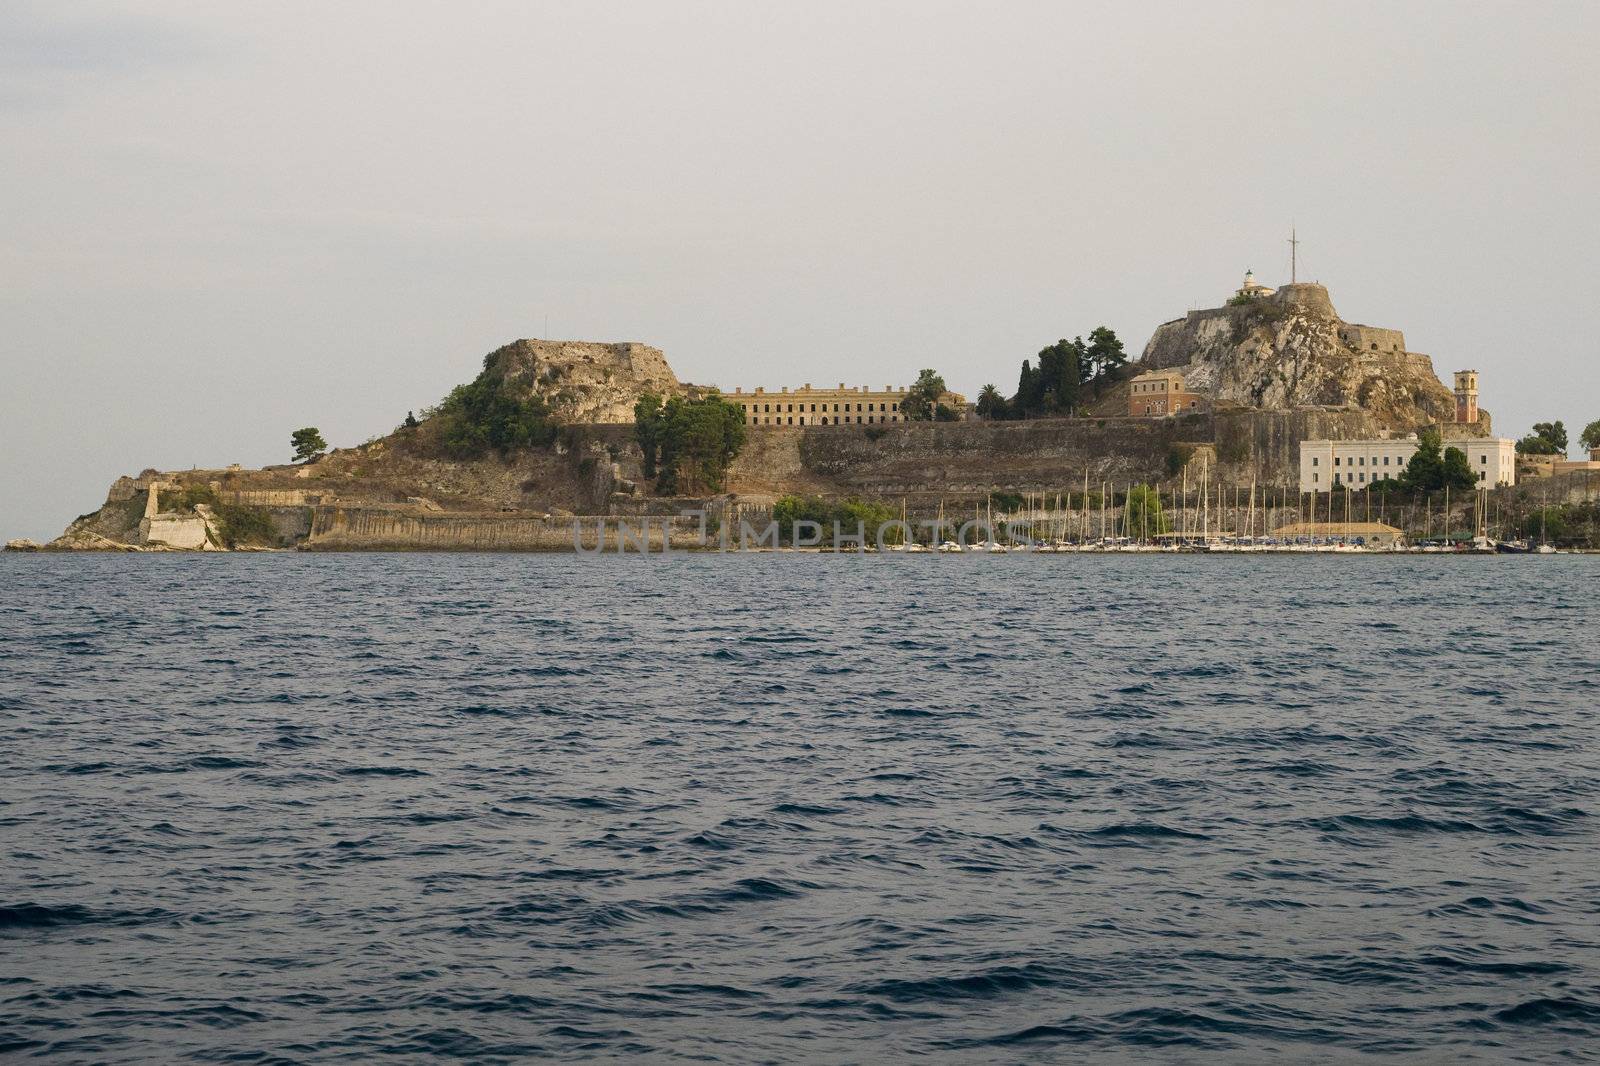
911	543
945	545
1544	547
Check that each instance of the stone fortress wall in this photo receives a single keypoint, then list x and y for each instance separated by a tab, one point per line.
372	529
1372	338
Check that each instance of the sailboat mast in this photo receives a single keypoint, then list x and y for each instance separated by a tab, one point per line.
1183	505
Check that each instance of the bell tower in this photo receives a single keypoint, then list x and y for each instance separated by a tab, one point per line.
1466	395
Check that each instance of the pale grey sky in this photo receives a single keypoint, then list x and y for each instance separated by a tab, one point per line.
219	222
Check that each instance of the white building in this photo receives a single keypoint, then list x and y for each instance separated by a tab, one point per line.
1358	463
1252	289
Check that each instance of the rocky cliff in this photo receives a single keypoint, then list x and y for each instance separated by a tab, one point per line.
581	381
1291	349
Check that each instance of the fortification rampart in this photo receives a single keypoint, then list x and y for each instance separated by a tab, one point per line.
364	529
1372	338
957	458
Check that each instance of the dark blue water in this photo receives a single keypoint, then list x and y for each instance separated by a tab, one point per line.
799	808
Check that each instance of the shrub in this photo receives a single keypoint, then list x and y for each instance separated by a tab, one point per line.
183	499
1236	449
849	513
486	416
1006	501
245	525
1178	456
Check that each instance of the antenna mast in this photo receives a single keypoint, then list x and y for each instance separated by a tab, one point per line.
1294	255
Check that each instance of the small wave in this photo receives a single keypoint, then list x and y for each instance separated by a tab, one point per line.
998	981
381	771
1405	823
222	762
44	916
1497	969
1507	908
1546	1011
716	991
806	809
1036	1034
756	888
588	803
1145	831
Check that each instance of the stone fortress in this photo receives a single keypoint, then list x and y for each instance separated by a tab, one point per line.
1261	385
1275	347
1286	347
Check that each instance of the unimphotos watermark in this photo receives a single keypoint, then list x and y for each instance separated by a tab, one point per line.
653	535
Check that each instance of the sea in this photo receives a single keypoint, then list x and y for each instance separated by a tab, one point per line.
773	808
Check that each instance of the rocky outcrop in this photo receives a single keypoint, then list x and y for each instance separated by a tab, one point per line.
1290	350
84	540
584	382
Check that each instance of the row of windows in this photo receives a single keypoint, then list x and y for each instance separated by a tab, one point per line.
1361	479
1359	461
789	420
1483	460
766	408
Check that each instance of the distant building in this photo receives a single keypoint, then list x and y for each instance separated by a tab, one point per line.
1161	392
1357	463
807	406
1552	465
1365	534
1252	288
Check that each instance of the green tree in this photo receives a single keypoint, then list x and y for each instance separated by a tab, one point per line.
945	413
1590	438
1554	432
1425	471
1434	467
1065	372
307	443
1455	471
1105	355
1545	524
1547	438
921	398
1060	372
991	404
647	426
1143	513
698	439
1029	400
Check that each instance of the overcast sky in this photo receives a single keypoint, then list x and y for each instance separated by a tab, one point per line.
220	222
